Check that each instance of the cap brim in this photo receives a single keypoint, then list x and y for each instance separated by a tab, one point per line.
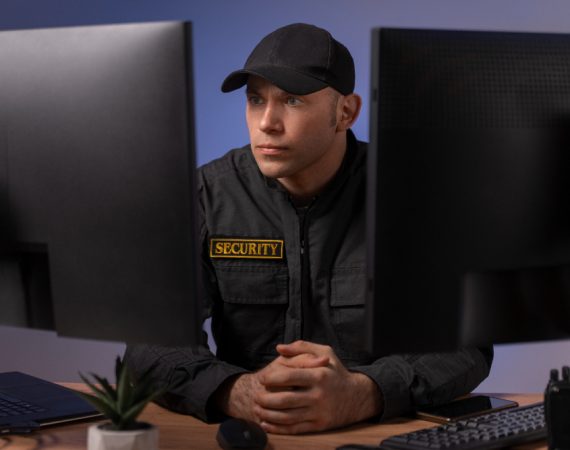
284	78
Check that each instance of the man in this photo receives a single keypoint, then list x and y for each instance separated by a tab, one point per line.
284	257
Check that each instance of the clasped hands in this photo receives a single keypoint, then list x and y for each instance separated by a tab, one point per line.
306	388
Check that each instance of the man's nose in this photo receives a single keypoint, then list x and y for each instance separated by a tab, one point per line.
271	121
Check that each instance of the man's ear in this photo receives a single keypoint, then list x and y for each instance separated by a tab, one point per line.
350	106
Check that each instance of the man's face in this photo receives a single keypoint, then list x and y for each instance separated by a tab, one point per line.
293	137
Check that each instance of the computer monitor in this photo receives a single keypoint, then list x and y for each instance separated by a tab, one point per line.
468	189
97	182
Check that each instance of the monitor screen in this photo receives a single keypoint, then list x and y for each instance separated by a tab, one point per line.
468	189
97	185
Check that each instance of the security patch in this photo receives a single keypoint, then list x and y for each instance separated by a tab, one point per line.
246	248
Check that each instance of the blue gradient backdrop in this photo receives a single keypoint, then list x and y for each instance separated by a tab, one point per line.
224	33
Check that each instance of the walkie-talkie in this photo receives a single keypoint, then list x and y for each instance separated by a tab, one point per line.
557	409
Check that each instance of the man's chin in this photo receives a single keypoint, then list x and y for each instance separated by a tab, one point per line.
272	171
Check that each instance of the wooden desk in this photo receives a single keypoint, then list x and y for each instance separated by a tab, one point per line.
187	433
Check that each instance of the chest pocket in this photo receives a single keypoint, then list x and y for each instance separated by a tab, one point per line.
251	319
348	295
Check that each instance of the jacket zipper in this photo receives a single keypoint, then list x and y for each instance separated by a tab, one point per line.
305	273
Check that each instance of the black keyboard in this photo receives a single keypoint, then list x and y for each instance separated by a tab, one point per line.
499	429
13	407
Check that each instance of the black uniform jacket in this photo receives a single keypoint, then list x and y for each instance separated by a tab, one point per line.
276	273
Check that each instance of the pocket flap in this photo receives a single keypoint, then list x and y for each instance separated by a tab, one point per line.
255	286
348	287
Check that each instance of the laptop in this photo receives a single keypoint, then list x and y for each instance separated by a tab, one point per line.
28	403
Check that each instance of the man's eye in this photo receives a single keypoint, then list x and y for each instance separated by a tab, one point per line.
254	100
293	101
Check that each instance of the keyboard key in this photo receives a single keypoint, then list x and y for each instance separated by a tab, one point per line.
13	407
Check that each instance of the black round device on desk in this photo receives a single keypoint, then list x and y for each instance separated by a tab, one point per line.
234	434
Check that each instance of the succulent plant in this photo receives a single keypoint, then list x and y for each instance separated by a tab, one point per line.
122	403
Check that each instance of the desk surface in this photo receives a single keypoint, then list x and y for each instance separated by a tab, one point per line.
178	431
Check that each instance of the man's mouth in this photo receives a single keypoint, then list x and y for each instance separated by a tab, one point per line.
270	149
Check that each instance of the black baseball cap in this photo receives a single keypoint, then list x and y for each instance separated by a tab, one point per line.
300	59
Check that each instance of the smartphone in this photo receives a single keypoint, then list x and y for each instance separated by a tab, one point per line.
464	408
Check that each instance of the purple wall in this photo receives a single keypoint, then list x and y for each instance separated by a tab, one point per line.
224	33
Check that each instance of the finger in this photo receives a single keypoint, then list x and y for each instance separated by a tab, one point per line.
282	417
304	361
291	377
299	347
281	400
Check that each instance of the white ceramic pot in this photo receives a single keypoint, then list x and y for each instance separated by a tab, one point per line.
100	438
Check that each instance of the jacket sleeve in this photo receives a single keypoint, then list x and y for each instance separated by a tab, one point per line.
407	381
191	374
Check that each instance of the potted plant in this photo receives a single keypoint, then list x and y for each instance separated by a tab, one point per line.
121	405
